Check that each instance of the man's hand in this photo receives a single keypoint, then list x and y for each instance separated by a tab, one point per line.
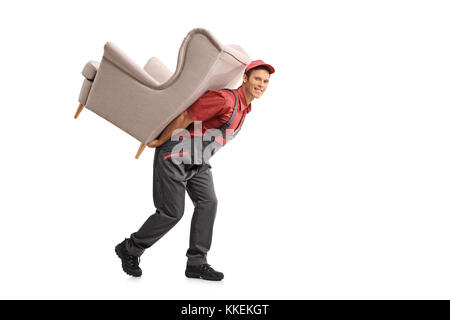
155	143
181	122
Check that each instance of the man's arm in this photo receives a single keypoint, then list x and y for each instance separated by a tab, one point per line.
181	122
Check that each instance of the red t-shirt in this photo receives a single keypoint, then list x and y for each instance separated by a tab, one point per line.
214	109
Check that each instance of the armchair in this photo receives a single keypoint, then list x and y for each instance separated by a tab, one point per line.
143	101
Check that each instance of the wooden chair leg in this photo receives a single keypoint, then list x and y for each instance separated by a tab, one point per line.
141	148
80	107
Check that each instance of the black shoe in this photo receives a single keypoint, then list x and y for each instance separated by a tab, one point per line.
204	271
130	263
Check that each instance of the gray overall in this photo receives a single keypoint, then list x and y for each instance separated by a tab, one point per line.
170	181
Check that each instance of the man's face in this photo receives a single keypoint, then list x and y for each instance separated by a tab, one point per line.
258	82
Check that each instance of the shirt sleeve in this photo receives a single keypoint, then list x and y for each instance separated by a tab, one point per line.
208	106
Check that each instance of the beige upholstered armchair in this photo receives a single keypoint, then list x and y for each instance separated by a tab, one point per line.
143	101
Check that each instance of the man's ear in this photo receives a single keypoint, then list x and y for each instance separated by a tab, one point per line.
244	79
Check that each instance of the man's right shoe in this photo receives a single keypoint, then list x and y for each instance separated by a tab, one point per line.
130	263
203	271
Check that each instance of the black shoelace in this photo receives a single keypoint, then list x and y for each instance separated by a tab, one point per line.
207	267
134	261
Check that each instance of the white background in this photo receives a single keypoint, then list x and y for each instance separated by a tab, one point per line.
336	188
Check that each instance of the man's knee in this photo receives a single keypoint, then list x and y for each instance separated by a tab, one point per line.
209	202
174	214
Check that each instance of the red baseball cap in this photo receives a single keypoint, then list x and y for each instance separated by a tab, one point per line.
257	63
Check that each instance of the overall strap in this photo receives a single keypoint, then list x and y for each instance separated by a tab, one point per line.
226	125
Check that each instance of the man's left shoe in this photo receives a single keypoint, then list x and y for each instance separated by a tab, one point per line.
204	271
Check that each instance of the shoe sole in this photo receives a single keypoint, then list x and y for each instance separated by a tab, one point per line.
199	276
123	264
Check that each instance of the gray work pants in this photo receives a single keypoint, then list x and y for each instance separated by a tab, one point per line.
170	180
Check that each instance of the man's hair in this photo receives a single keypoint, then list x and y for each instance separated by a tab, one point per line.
249	72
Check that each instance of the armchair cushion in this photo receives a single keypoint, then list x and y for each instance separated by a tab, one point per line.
157	70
